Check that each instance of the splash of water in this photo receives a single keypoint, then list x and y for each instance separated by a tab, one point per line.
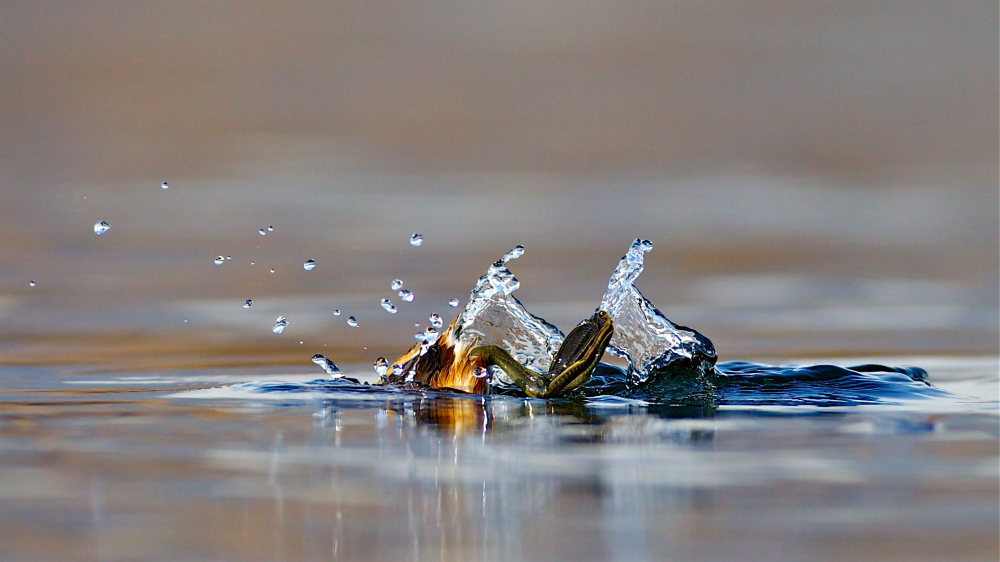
646	338
494	316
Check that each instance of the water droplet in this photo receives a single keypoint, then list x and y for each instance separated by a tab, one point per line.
406	295
301	342
32	283
352	321
396	284
270	228
513	253
248	303
381	366
100	227
309	265
229	258
262	232
397	369
336	312
481	372
453	303
416	239
272	270
429	335
165	185
327	365
279	325
253	262
388	306
410	375
219	260
436	320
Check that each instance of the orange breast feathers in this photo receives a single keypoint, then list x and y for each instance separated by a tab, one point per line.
445	364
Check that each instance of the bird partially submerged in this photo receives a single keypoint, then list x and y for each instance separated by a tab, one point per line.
452	363
494	335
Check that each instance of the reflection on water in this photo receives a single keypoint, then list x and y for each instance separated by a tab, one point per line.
820	181
153	466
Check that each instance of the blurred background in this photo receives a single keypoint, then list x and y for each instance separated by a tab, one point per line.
819	178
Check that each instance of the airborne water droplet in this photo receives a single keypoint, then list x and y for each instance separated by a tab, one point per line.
381	366
262	232
513	253
327	365
436	320
270	228
219	260
429	335
272	270
397	369
336	312
416	239
396	284
165	185
309	265
453	303
31	283
352	321
248	303
100	227
279	325
406	295
388	306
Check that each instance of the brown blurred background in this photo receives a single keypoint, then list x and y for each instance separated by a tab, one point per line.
800	166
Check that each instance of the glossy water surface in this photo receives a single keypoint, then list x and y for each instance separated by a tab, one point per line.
263	464
819	179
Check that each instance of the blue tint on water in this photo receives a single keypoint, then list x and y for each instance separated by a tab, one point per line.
743	383
734	383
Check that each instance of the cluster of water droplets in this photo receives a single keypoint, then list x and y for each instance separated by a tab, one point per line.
436	320
646	338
